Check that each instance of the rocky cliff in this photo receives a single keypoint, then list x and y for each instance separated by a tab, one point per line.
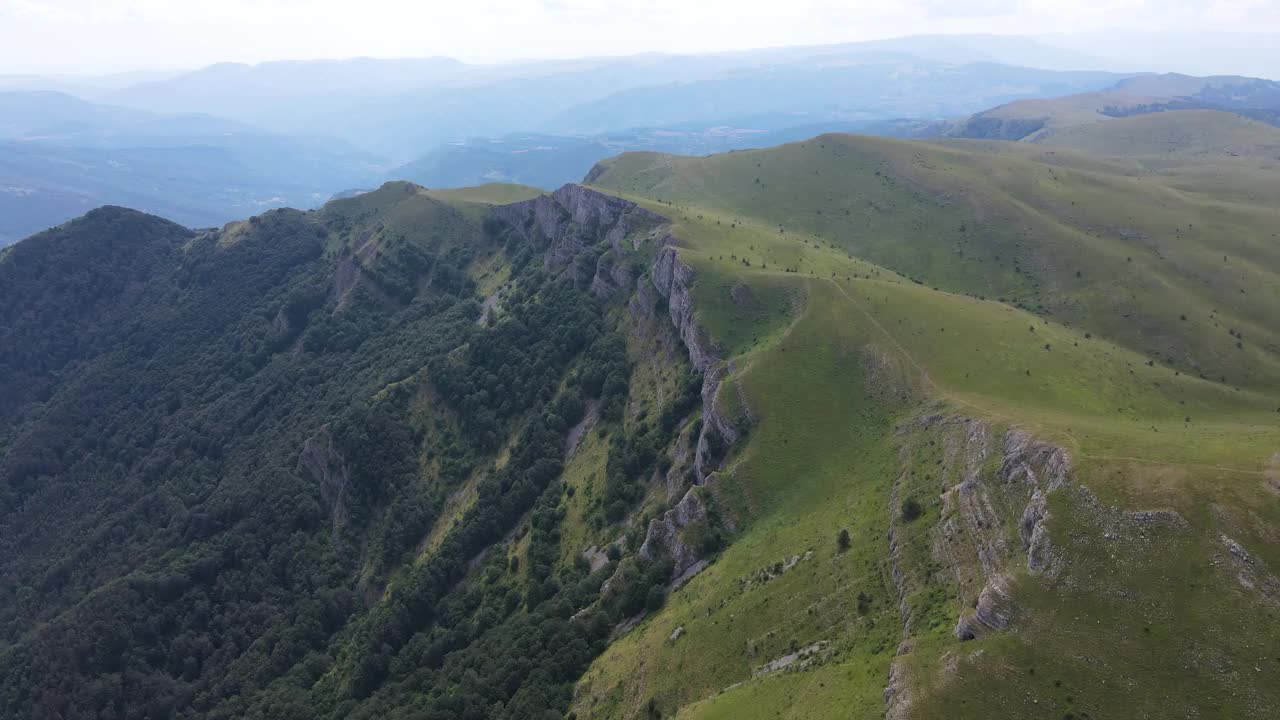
994	489
673	279
573	220
575	224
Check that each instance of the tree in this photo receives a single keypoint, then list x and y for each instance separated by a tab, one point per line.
911	509
842	539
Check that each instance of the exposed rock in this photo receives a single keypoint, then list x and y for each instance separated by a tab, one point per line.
595	557
689	574
345	276
1035	535
280	324
321	461
681	456
772	572
978	507
572	219
719	432
664	535
574	437
675	634
1252	573
1035	463
645	302
996	512
994	612
897	694
674	281
488	308
611	277
801	658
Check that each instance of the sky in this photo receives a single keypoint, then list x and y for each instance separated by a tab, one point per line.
105	36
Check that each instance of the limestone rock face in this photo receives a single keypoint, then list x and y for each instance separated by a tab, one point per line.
573	219
664	535
994	612
718	432
611	277
674	280
1028	472
995	493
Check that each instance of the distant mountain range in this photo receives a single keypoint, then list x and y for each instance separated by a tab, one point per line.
1039	120
209	145
402	108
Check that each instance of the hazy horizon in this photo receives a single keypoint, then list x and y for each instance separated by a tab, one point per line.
81	37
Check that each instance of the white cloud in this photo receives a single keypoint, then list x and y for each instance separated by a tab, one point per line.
103	35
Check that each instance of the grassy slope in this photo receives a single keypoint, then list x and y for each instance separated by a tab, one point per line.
488	194
1118	256
1173	622
1181	132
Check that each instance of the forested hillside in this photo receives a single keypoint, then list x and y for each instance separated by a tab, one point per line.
297	466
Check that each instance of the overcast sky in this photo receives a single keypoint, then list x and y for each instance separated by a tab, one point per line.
99	36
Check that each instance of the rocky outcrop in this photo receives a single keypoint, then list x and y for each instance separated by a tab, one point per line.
576	225
674	280
897	694
798	660
995	491
573	219
595	557
573	439
663	535
719	432
611	277
995	610
1252	573
1028	472
681	464
320	461
980	506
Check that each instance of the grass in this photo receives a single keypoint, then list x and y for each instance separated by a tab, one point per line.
1124	258
1105	367
487	194
728	631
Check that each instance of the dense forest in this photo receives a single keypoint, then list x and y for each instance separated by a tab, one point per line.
230	464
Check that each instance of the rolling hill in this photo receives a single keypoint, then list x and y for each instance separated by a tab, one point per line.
1035	120
846	427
